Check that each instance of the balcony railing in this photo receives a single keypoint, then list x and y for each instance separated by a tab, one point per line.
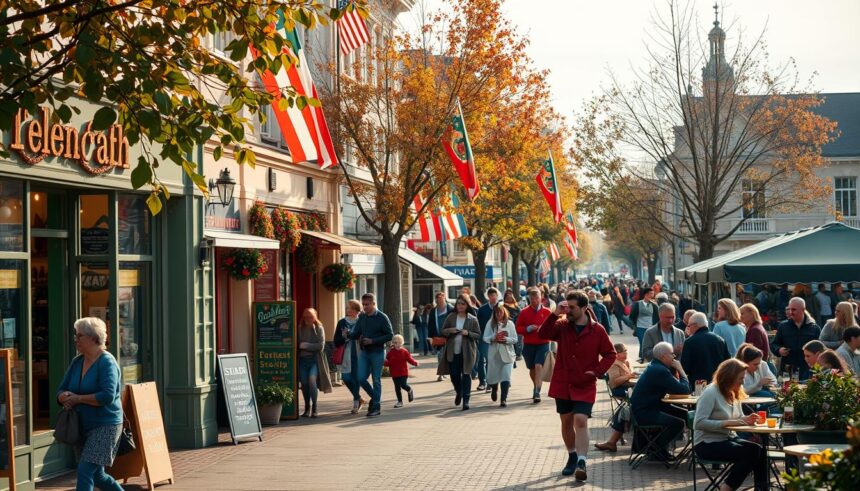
756	226
851	221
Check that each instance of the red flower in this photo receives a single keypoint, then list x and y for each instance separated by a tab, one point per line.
229	260
245	272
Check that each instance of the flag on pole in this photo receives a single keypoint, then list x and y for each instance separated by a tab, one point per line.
305	131
571	248
454	223
553	252
548	184
570	226
544	264
455	140
351	29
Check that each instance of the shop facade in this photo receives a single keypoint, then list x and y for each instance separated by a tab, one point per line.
76	240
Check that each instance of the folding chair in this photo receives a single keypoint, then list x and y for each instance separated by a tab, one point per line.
616	403
649	447
719	470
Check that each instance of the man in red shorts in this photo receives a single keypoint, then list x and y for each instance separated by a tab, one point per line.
585	353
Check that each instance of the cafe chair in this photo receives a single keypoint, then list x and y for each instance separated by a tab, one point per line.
645	446
616	403
715	470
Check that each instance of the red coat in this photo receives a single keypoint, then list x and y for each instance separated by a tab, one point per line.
591	350
396	360
529	316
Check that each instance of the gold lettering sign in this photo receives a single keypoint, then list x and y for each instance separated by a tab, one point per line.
128	277
9	279
96	151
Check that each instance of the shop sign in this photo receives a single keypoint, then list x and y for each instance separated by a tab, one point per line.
275	347
223	217
9	279
129	278
95	241
97	152
468	272
266	287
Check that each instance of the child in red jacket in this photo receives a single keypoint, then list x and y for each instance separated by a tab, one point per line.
396	360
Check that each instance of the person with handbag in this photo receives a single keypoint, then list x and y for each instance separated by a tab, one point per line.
460	352
90	396
501	336
585	353
313	366
346	354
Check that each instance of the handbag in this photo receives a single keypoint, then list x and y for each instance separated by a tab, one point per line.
126	438
337	354
68	427
548	367
438	341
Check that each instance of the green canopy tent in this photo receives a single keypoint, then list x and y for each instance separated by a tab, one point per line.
829	253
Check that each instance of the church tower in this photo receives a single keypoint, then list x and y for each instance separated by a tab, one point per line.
717	73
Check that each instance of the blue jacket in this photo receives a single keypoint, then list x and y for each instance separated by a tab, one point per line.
602	314
101	380
655	382
377	327
485	313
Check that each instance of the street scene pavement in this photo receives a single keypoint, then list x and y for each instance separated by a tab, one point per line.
428	444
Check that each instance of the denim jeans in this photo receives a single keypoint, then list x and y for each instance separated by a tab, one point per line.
370	363
423	343
462	382
308	375
640	334
480	368
91	475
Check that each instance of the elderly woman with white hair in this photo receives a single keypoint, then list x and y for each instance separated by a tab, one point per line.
92	388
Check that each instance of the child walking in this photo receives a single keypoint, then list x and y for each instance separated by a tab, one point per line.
396	360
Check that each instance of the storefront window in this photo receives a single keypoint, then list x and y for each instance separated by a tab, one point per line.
47	210
95	292
12	276
11	216
133	319
285	277
95	224
135	234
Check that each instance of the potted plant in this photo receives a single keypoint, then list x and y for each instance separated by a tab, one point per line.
830	470
829	401
271	397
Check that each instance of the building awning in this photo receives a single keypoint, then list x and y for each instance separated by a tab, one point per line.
240	241
344	244
448	278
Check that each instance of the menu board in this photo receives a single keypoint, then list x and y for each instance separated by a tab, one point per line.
235	373
7	438
275	347
266	286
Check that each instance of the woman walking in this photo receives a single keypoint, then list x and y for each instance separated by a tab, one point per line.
91	387
501	335
313	367
460	353
348	368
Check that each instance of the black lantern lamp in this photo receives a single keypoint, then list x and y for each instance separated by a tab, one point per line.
224	186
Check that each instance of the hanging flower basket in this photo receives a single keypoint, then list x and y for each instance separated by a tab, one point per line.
338	277
245	264
286	228
307	256
315	221
260	222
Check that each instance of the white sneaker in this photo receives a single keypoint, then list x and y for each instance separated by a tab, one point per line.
398	404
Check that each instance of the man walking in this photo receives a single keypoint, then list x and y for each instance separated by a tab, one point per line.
794	332
485	313
372	330
535	349
585	353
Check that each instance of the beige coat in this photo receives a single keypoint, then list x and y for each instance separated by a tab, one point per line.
315	337
469	347
506	349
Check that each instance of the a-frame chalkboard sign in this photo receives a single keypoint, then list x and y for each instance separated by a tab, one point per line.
234	371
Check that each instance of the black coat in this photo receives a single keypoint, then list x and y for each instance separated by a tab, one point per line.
432	329
703	352
788	335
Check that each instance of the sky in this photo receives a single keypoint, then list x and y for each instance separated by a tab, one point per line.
581	41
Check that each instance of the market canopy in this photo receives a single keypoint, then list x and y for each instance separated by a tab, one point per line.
829	253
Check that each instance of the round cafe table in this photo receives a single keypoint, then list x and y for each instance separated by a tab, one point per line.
765	433
809	450
692	400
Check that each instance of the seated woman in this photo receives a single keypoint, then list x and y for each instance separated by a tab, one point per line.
758	377
619	375
829	360
719	407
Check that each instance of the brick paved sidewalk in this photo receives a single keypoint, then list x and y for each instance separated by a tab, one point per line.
428	444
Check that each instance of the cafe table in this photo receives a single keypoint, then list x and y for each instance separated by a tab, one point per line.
692	400
808	450
766	431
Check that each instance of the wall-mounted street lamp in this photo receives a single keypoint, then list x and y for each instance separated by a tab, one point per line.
224	187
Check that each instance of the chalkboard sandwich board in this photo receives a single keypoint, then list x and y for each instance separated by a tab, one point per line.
235	373
274	329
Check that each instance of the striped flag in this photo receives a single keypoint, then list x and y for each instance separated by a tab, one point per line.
548	184
428	224
570	226
544	264
553	252
571	248
351	29
453	223
305	131
456	143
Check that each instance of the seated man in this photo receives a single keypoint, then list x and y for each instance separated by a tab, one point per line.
664	375
848	350
703	350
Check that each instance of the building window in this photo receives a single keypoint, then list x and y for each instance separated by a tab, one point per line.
845	195
220	41
269	131
458	246
753	199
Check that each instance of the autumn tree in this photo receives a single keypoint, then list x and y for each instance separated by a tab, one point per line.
390	123
722	136
151	63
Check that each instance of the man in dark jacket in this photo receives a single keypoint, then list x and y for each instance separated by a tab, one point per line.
703	350
599	310
436	319
792	334
372	330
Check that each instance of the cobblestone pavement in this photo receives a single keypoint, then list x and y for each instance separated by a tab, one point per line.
428	444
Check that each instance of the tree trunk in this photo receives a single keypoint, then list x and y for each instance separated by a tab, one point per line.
531	269
515	272
706	249
479	259
393	300
651	261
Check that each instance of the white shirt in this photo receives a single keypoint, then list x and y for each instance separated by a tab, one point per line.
458	340
753	381
824	303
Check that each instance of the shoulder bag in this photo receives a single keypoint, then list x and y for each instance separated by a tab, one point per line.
68	427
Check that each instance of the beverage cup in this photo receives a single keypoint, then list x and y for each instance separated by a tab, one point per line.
771	422
788	415
762	416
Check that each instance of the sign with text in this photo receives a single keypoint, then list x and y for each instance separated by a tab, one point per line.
235	374
275	347
266	286
468	272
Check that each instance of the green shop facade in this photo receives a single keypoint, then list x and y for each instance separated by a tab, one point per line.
76	240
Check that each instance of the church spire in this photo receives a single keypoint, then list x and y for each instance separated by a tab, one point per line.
717	67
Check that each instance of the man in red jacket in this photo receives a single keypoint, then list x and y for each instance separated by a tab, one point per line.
585	353
535	349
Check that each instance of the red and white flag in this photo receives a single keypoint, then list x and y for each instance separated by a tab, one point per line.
455	140
571	248
351	29
570	226
553	252
548	185
428	223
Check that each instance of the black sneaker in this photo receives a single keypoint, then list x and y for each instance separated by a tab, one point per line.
374	412
580	474
411	395
465	406
503	404
457	399
494	395
570	467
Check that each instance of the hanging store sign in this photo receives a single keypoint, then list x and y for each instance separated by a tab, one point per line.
97	152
